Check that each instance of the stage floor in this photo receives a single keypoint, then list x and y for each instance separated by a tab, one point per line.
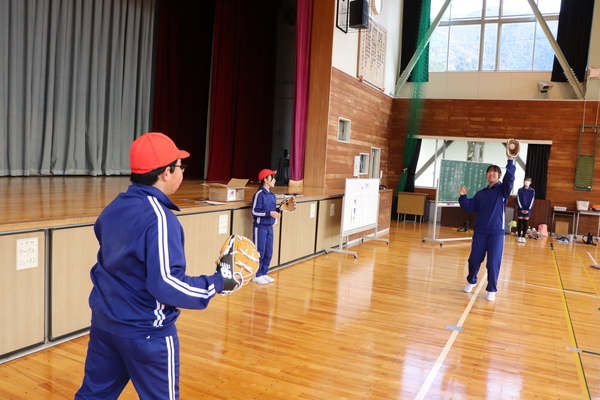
48	201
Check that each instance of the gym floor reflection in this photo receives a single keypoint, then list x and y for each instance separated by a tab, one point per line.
392	323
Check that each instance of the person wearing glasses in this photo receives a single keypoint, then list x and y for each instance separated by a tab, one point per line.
139	281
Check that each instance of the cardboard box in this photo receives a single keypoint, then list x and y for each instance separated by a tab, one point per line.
232	191
561	228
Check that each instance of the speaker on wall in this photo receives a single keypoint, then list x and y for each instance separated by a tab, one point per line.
359	14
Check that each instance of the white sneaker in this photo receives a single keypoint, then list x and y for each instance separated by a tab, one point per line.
491	296
268	278
260	279
469	287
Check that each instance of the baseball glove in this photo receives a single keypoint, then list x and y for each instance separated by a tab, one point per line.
288	204
513	147
237	263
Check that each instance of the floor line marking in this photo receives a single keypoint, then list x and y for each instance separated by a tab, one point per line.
440	360
585	390
587	272
550	288
581	351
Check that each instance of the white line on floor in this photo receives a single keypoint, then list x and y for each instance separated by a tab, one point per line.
438	363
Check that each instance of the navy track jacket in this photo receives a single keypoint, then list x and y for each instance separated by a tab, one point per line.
263	202
525	199
139	278
490	204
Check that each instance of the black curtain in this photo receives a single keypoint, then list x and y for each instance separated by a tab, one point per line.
410	33
573	37
537	168
412	168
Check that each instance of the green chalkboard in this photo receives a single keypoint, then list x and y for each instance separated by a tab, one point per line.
454	174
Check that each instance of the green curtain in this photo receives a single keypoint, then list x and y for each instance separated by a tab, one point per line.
419	75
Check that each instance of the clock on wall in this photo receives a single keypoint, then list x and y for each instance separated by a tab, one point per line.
376	5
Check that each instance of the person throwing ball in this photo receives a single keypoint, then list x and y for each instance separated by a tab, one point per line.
488	238
140	281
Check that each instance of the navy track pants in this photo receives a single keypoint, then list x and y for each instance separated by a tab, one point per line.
151	363
492	246
263	240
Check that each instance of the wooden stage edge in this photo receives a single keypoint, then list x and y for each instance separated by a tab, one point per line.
40	202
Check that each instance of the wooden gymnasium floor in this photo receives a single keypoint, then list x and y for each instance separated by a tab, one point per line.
393	323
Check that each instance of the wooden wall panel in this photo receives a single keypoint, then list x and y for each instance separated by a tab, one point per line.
242	222
74	253
587	224
320	83
558	121
329	223
370	112
204	236
21	294
299	228
380	121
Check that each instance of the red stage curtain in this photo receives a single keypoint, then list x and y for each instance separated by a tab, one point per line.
302	80
184	44
242	89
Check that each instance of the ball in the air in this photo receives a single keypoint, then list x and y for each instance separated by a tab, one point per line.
511	146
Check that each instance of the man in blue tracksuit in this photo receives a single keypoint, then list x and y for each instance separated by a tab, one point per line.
488	238
265	214
139	281
524	200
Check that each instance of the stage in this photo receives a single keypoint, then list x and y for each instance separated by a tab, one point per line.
36	202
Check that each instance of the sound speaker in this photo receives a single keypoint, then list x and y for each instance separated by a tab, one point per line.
359	14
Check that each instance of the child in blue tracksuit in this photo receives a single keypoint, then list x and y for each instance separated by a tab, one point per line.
265	214
140	281
524	200
490	205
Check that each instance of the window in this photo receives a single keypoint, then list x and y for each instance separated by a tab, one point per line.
343	130
475	151
364	164
375	163
492	35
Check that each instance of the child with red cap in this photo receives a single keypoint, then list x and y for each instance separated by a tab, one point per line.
140	281
265	214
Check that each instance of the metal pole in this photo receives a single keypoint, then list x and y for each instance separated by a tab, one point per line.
420	48
559	54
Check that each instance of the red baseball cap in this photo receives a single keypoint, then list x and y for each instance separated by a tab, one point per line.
151	151
264	173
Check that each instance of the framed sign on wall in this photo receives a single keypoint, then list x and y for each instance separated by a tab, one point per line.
371	59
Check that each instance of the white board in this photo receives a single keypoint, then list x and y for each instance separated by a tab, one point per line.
360	210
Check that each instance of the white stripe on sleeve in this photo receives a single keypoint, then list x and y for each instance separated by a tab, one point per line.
164	260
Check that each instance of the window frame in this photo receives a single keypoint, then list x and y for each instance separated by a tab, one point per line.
501	21
344	130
